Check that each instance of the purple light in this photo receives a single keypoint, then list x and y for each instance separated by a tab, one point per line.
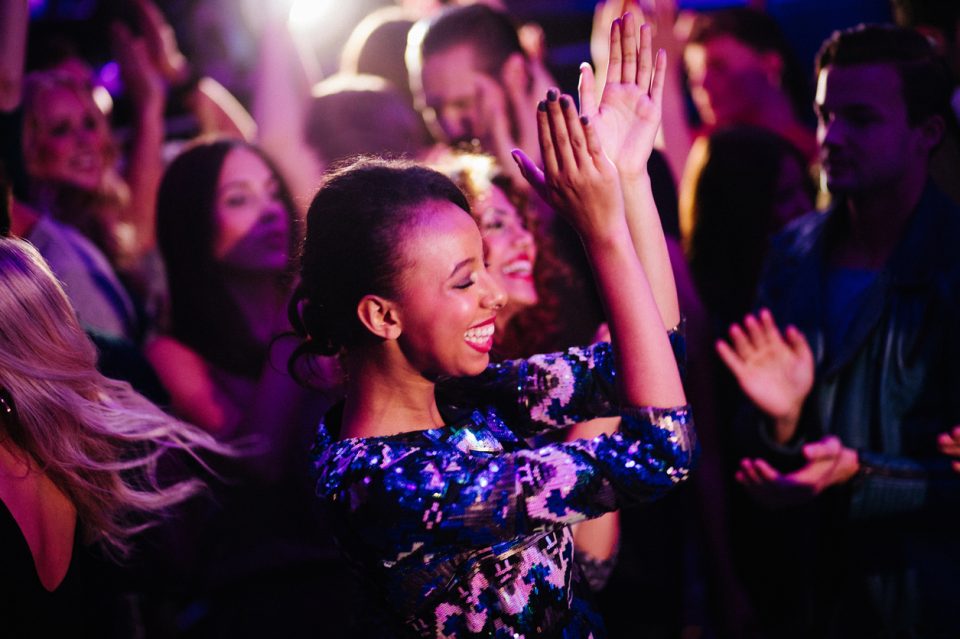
109	77
37	7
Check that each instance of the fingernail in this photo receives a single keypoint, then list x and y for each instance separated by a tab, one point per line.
552	95
584	120
584	65
542	105
564	102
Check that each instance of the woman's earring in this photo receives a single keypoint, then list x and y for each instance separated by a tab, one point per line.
6	403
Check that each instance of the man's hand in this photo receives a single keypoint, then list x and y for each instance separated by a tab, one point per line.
775	373
949	444
829	463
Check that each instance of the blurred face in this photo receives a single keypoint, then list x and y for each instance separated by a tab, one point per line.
448	300
449	80
866	141
253	225
792	197
728	79
510	249
68	140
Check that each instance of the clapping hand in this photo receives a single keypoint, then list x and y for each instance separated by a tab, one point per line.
578	179
775	373
628	114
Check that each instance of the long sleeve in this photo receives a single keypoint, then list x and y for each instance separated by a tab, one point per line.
435	495
464	530
550	391
889	485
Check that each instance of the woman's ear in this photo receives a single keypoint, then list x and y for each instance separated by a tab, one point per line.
380	316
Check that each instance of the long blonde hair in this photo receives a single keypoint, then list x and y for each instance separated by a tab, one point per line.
97	439
97	213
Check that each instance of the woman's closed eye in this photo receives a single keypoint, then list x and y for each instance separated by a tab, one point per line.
466	283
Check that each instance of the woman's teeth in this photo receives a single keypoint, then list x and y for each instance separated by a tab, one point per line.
479	335
518	267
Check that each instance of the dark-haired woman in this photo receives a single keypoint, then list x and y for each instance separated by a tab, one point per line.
227	227
460	528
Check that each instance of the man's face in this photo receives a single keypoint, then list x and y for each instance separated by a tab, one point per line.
866	141
449	80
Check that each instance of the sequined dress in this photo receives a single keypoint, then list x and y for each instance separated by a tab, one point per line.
464	530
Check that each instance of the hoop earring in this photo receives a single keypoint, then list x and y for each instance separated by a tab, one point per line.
6	402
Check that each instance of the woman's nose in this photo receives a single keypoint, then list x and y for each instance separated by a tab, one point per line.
271	208
522	237
494	296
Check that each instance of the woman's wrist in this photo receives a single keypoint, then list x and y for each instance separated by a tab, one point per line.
612	237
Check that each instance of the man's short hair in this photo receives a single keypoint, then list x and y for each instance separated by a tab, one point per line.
490	33
925	78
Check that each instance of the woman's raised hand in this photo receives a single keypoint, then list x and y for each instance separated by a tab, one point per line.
628	115
578	179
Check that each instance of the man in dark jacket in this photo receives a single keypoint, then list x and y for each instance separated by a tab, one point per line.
861	536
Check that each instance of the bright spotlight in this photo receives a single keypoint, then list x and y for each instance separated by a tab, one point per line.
308	15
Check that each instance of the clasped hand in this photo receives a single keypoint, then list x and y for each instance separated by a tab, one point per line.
829	463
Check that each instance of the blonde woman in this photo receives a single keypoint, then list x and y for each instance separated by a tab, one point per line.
78	458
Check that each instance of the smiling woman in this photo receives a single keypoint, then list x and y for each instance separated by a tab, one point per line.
510	248
432	438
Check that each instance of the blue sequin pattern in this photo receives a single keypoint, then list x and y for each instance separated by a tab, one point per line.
464	530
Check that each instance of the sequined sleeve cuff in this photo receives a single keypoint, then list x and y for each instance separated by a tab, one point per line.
668	435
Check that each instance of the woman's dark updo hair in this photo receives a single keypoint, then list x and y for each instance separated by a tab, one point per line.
355	228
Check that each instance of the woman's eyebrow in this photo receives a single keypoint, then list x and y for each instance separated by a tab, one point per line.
461	264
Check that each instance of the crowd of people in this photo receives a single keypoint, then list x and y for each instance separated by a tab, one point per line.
431	348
